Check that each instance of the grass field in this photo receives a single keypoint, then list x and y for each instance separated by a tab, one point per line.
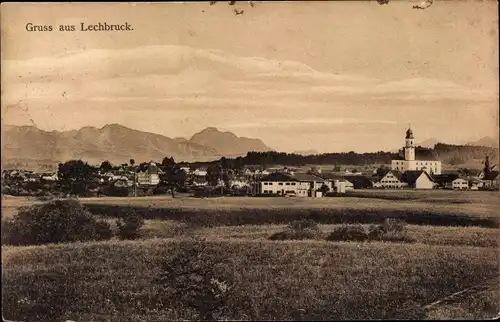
464	209
287	280
455	246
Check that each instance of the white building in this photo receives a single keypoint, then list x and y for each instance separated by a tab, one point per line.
414	159
201	172
298	184
418	179
341	186
460	183
148	177
49	176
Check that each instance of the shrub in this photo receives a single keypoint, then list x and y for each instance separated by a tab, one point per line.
54	222
394	225
375	232
393	230
129	227
189	280
297	230
344	232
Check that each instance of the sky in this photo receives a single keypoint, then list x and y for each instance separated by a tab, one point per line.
330	76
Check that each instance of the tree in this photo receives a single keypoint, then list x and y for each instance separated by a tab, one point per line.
166	162
227	176
381	171
214	174
174	178
487	168
132	162
193	278
106	166
75	176
324	189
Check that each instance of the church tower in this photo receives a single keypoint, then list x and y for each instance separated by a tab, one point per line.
410	146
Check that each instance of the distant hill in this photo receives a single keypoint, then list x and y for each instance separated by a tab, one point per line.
118	144
227	143
464	154
485	141
429	143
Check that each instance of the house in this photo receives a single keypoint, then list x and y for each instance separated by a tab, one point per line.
279	183
342	186
418	179
148	176
460	183
391	179
491	179
475	183
316	182
416	159
445	180
30	177
49	176
200	172
238	184
122	183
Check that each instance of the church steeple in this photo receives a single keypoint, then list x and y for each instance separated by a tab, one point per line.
410	145
409	134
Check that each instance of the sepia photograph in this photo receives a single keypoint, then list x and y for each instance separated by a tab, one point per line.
250	161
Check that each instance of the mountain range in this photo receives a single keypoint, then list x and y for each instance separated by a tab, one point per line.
485	141
118	144
32	147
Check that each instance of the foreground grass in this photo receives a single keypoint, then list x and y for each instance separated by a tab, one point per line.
287	280
481	305
430	235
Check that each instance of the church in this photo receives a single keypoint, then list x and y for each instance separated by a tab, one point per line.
414	159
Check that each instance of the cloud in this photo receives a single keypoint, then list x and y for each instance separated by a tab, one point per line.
169	73
178	85
305	122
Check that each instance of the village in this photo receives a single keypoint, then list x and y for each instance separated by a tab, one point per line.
413	170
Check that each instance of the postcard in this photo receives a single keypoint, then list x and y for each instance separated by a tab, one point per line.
246	160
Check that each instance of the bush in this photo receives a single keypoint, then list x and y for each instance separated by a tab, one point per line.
393	230
348	233
375	232
394	225
190	281
58	221
130	226
297	230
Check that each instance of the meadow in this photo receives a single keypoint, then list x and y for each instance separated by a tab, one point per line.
454	246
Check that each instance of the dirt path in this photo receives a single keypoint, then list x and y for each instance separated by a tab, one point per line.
464	304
